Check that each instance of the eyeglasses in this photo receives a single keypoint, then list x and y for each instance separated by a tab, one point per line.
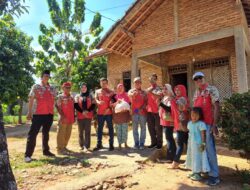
198	78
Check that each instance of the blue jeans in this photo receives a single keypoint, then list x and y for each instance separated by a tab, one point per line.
211	153
171	147
136	120
182	138
101	119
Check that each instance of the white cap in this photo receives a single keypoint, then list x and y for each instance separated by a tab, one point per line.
137	79
198	74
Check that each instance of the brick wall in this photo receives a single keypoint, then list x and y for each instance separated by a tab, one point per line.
117	64
146	71
194	18
157	28
202	16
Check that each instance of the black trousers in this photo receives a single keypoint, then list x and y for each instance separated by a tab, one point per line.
154	128
84	130
39	121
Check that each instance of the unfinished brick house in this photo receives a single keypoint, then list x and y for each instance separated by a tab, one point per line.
175	38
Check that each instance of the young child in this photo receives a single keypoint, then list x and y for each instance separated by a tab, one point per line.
197	159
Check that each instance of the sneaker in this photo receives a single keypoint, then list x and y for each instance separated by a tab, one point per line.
212	181
27	159
136	147
196	177
98	147
49	154
142	148
152	146
111	148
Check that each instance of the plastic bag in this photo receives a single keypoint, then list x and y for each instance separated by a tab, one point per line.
122	106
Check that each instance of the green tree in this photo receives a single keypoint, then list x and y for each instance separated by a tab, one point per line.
90	72
15	57
15	7
65	45
235	122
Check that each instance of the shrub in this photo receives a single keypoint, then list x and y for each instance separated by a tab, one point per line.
235	122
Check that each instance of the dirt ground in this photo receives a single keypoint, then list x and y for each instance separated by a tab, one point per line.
119	169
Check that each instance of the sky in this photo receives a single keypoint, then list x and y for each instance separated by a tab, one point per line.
38	13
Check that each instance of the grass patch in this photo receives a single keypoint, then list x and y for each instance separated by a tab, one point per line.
10	119
17	161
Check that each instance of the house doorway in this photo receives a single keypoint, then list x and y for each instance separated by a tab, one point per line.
180	78
126	76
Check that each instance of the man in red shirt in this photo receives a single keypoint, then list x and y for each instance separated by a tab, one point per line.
43	94
65	107
104	113
155	130
207	98
138	98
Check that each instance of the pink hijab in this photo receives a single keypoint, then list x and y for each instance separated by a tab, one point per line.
123	95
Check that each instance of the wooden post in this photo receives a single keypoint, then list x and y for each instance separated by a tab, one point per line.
176	20
241	62
134	68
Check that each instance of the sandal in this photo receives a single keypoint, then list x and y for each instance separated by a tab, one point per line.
174	165
196	177
190	175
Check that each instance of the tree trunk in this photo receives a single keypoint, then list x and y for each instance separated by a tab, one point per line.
20	112
7	179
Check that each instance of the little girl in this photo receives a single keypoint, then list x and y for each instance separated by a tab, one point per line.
197	159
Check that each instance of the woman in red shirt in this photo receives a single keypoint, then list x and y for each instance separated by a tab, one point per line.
166	120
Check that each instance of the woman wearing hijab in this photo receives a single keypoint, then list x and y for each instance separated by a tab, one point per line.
84	104
121	115
181	117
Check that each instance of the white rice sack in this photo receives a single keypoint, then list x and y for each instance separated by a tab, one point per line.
122	106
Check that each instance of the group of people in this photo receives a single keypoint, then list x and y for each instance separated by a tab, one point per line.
163	109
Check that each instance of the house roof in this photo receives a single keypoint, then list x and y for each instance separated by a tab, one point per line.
120	36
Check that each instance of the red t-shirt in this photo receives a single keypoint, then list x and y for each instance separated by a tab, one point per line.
44	97
88	115
205	98
152	102
105	96
138	101
66	104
